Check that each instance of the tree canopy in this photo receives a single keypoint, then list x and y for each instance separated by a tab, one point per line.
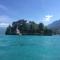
28	28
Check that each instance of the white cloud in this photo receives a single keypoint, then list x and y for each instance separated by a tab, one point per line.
5	21
3	7
4	24
47	19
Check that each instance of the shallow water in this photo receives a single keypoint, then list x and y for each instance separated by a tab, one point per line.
29	47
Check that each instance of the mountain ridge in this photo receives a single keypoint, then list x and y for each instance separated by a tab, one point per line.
55	26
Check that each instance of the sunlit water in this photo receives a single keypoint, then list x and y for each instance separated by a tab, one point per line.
29	47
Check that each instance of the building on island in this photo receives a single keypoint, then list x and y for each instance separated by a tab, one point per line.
18	31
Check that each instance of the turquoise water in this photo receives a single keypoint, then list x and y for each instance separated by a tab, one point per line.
29	47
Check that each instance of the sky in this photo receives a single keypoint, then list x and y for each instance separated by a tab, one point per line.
45	11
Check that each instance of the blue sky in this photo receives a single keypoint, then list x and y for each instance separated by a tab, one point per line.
45	11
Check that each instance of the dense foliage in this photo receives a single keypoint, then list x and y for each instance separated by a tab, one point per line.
28	28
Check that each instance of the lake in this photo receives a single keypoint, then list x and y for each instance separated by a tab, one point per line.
29	47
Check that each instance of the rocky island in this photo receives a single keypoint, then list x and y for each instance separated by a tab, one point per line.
22	27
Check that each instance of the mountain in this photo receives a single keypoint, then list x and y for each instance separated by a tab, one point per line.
2	30
55	26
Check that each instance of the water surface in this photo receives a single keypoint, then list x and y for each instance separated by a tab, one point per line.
29	47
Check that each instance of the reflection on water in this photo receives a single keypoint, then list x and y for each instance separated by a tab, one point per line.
29	48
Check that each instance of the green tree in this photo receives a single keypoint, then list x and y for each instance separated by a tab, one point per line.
30	28
47	31
40	28
8	30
